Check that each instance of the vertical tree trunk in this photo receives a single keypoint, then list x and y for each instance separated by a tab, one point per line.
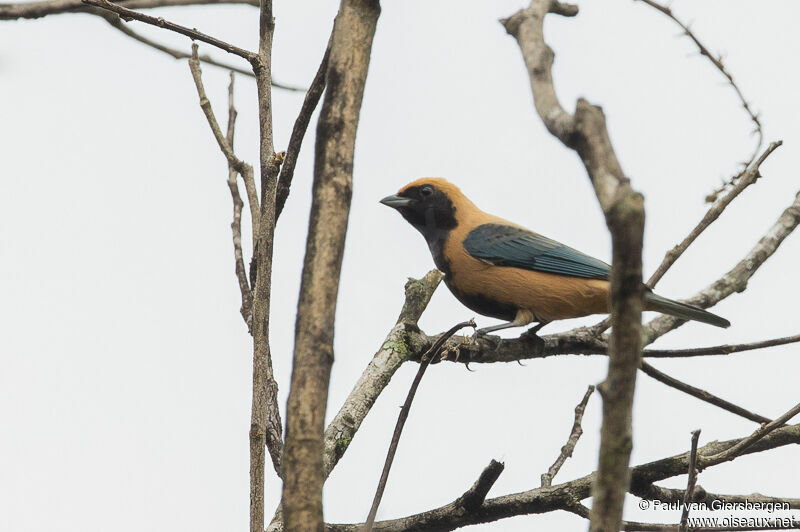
333	177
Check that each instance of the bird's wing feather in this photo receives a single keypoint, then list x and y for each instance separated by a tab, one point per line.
508	245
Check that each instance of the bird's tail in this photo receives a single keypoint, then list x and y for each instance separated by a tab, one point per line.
682	310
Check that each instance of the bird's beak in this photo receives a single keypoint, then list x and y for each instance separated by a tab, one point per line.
394	201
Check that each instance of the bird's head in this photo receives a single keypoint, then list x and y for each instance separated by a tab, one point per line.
429	204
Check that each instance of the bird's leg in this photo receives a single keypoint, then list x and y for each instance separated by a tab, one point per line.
486	330
523	317
533	330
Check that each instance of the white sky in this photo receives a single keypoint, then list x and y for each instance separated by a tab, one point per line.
126	367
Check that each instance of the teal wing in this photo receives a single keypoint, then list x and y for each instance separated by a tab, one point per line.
506	245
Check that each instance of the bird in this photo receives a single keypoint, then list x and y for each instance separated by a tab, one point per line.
500	269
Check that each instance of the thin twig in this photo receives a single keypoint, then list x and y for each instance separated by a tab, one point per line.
719	65
130	14
236	225
235	165
726	349
749	176
701	394
116	22
736	279
44	8
574	435
298	132
690	484
244	169
736	450
404	411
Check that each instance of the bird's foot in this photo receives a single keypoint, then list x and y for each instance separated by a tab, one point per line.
483	334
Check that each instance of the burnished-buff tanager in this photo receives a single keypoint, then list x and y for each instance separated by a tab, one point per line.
502	270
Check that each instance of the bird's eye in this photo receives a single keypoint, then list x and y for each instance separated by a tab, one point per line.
427	190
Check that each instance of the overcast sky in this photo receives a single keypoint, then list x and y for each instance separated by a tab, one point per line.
126	368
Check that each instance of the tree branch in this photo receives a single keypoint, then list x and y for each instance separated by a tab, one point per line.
129	14
265	422
726	349
572	441
31	10
736	279
473	498
702	394
401	419
718	64
116	22
348	63
563	496
236	225
691	482
749	176
741	447
298	133
393	352
586	133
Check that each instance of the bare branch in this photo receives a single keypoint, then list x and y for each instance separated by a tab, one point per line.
726	349
235	165
236	225
673	495
702	394
737	450
56	7
575	433
348	63
116	22
129	14
563	496
623	207
691	482
736	279
265	421
404	411
717	62
473	498
226	148
749	177
298	132
393	352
